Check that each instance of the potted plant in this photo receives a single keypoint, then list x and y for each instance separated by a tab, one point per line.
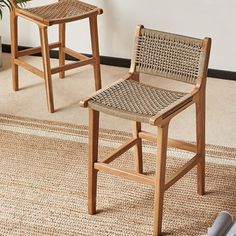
8	4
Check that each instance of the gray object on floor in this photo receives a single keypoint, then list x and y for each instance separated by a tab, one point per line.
223	225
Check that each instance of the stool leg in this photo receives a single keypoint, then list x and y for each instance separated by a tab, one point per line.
95	51
160	178
62	39
200	118
14	49
47	67
92	158
138	148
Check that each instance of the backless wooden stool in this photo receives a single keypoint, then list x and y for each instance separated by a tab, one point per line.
168	56
59	13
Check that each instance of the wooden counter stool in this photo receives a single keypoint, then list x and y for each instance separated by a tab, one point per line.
168	56
59	13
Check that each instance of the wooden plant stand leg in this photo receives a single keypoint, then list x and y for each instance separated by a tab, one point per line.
92	158
62	39
14	50
95	51
200	119
162	137
138	148
47	67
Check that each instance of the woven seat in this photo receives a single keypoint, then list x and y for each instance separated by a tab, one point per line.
135	101
164	55
60	12
64	10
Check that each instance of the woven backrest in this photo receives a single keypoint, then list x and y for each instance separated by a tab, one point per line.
169	55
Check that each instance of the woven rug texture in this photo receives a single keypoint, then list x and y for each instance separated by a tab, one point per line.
43	185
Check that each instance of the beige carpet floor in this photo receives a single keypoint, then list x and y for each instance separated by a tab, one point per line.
30	101
43	185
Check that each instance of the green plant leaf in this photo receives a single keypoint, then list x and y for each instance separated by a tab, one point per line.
8	4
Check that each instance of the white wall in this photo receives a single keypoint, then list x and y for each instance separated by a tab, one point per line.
197	18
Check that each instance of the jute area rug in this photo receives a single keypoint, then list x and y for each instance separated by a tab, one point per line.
43	185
